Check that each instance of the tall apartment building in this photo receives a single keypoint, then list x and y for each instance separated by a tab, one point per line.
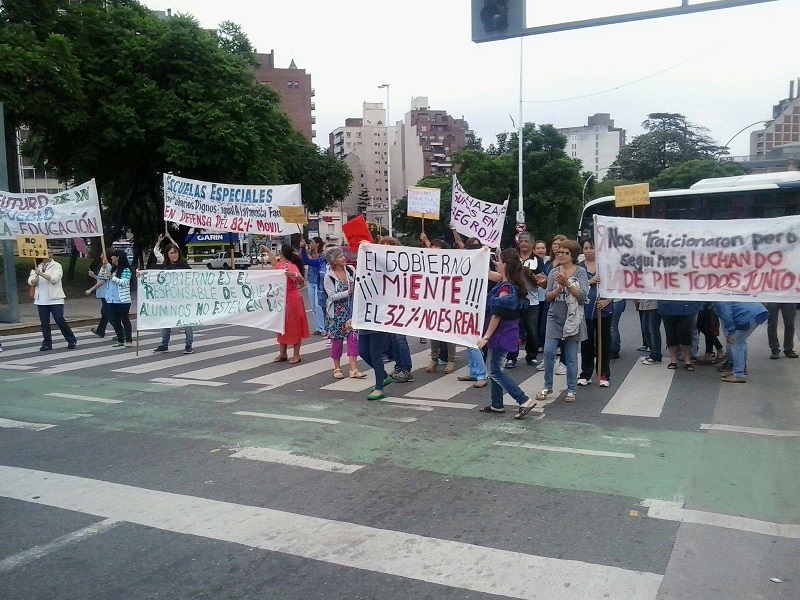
423	144
596	144
362	144
294	87
784	128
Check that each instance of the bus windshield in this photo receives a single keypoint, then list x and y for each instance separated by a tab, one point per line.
745	197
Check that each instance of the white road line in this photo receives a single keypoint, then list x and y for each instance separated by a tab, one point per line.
15	367
749	430
674	511
245	413
104	347
642	393
299	372
227	368
443	562
566	450
434	403
160	361
37	552
86	398
12	424
175	382
418	361
285	457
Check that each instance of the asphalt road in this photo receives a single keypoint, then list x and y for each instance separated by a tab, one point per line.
223	475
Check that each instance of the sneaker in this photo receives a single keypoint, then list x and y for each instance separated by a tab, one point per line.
532	362
402	377
129	344
188	350
541	396
118	344
97	333
791	354
583	381
541	366
45	348
643	349
161	348
561	369
649	361
604	382
511	363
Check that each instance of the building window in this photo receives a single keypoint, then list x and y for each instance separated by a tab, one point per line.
347	134
289	84
423	128
358	134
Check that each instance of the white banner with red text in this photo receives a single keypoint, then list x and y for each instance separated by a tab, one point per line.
191	298
72	213
475	218
736	260
228	207
436	294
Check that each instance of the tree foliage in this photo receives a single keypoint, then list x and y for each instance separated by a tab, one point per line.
115	94
687	174
670	140
552	184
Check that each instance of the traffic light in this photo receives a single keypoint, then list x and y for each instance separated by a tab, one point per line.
497	19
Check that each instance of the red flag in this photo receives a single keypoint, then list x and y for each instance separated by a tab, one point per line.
356	231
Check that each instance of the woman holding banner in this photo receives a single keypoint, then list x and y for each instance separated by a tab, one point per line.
505	307
296	323
567	291
172	259
118	298
339	286
311	255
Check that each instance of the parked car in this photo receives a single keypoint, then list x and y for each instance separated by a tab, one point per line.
222	260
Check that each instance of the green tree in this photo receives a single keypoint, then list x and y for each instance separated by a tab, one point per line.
363	201
670	140
143	97
689	173
552	184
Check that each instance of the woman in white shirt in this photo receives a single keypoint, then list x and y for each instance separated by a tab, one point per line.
49	298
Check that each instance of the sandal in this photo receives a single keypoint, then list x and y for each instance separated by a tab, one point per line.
281	359
491	409
357	375
541	396
672	366
294	360
376	395
337	374
689	367
525	408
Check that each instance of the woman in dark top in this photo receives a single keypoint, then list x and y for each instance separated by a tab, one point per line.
598	313
173	259
502	333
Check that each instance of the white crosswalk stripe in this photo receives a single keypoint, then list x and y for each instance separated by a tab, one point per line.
182	359
101	347
418	361
299	372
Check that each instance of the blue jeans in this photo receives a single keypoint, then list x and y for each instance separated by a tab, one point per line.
499	381
654	330
738	349
370	348
569	356
316	309
165	334
402	355
477	366
616	341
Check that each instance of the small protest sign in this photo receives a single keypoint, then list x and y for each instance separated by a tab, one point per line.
356	231
475	218
69	214
430	293
32	246
189	298
424	203
226	207
637	194
294	214
737	260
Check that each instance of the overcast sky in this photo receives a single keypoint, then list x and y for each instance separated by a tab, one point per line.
723	69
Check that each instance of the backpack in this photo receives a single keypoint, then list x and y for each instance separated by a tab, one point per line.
508	307
575	316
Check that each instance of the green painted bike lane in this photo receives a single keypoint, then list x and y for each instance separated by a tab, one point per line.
751	476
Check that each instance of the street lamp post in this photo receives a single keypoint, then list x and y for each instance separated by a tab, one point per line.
585	183
733	137
388	159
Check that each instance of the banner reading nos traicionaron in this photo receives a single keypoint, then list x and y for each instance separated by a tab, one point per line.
69	214
187	298
227	207
747	259
438	294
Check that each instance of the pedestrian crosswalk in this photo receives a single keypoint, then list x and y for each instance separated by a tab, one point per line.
240	357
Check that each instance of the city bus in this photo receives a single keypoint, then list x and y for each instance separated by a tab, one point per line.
765	195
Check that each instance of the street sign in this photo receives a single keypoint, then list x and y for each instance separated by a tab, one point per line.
521	227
